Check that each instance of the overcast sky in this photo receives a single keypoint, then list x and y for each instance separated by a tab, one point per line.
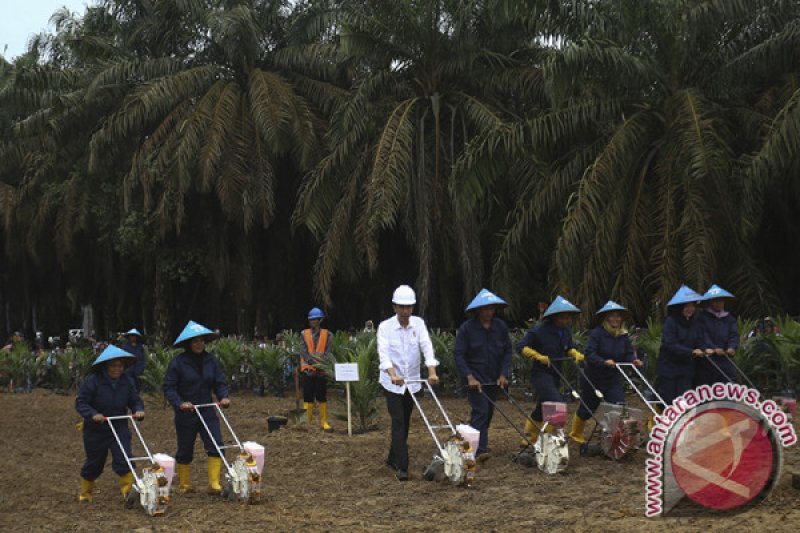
19	19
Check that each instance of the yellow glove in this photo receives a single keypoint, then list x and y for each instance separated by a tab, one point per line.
575	354
530	353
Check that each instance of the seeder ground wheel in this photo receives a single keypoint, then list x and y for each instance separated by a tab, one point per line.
131	499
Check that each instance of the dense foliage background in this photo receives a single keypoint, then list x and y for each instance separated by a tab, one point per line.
238	161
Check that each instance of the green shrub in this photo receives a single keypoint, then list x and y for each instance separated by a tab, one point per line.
71	366
155	368
231	354
363	350
21	366
444	347
647	342
268	364
772	361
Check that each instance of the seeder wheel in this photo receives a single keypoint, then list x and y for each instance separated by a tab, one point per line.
620	443
523	458
130	499
552	453
435	470
227	492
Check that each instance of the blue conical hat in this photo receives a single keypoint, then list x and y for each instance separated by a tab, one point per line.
484	298
192	330
715	291
611	305
560	305
134	331
684	295
112	352
316	312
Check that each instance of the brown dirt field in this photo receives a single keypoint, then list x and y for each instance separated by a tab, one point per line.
322	482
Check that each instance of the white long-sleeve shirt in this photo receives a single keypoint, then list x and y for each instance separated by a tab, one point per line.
400	348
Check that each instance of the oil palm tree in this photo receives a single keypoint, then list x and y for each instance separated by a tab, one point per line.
428	77
655	157
138	108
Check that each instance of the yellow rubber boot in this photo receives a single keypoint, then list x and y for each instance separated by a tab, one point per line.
309	411
184	478
86	491
532	432
125	484
214	469
578	425
323	416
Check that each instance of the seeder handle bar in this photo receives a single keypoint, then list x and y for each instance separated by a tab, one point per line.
217	445
575	394
585	377
524	413
422	412
714	363
130	460
508	419
648	403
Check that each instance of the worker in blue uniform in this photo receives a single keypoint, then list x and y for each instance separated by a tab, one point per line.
547	344
107	391
720	334
607	345
134	346
191	378
483	358
680	345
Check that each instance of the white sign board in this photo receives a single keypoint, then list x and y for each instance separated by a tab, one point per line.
346	371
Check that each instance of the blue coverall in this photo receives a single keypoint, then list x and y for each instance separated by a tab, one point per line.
486	354
137	368
553	342
192	378
676	365
601	346
716	333
99	395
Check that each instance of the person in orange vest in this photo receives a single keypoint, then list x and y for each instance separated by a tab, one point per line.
315	382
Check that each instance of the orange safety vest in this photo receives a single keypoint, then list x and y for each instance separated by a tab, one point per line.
322	343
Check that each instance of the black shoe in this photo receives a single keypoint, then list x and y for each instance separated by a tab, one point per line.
390	465
401	475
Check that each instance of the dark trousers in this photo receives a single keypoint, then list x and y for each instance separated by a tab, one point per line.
400	407
97	443
187	426
546	386
671	388
315	387
612	393
482	412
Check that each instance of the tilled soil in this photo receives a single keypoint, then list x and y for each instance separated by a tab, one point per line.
317	481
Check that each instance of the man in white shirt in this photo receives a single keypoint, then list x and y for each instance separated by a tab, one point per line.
401	340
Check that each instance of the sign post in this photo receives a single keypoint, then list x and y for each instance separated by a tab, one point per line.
347	372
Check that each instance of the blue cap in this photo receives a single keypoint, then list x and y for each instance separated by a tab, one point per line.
484	298
112	352
715	291
684	295
192	330
611	305
134	331
560	305
316	313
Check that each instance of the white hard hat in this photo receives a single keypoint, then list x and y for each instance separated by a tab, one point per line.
404	295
